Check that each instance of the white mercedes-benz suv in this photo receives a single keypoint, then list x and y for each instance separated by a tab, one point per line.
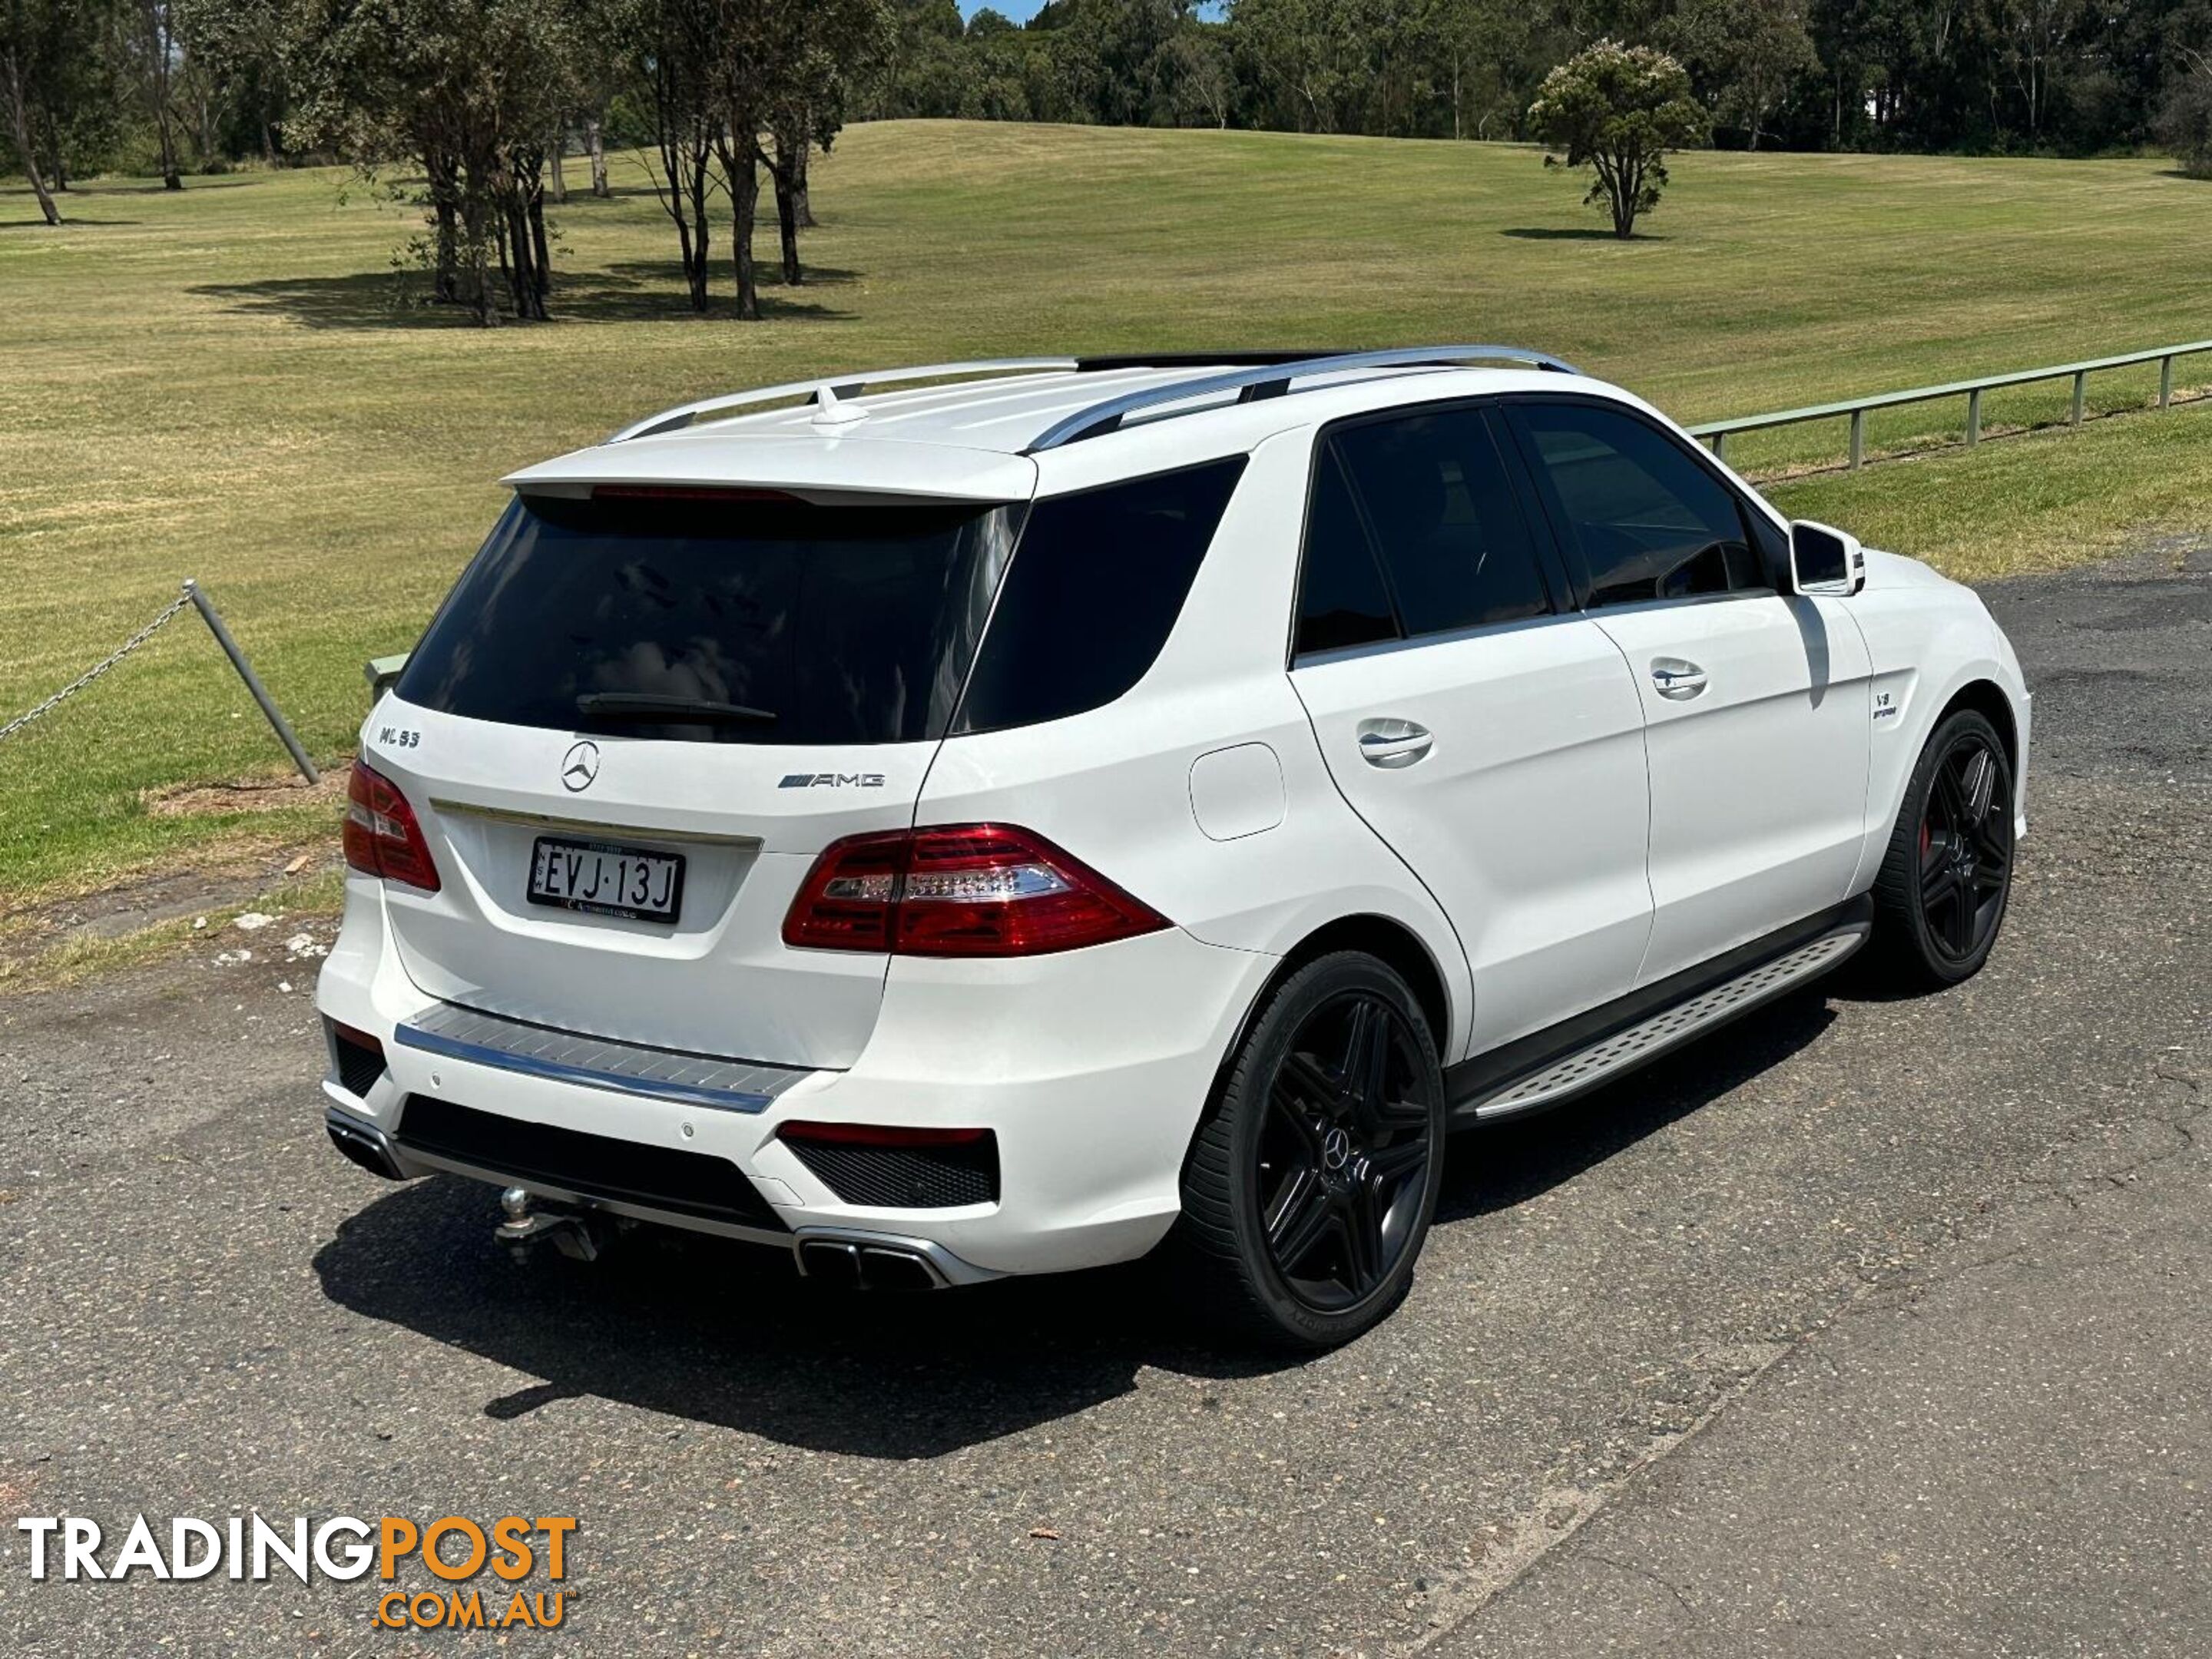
1004	817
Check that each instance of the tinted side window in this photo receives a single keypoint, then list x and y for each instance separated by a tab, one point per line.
1097	582
1341	598
1652	522
1445	519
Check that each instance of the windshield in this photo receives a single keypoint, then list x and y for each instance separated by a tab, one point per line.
717	618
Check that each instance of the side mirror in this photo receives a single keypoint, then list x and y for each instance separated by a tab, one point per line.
1823	560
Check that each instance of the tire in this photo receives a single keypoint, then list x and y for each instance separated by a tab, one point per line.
1940	895
1330	1122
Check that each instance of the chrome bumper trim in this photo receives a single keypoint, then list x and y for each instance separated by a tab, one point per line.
628	1068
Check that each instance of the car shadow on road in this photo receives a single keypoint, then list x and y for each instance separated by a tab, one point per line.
1495	1166
727	1335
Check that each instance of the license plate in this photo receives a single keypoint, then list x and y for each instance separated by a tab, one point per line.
606	880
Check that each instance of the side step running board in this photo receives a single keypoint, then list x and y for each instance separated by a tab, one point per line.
1632	1045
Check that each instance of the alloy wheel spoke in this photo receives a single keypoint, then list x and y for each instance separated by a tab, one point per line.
1301	1214
1366	1054
1949	798
1363	1227
1301	1078
1962	920
1388	1166
1393	1112
1979	782
1992	844
1298	1118
1935	881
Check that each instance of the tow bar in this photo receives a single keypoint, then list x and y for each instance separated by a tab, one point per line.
574	1234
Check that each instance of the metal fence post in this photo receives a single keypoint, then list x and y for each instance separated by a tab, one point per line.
1858	438
2080	385
2166	383
1720	446
252	681
1973	417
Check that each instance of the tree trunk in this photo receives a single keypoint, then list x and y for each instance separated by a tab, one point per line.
555	149
446	228
802	199
542	250
779	173
595	137
56	165
745	171
18	122
170	179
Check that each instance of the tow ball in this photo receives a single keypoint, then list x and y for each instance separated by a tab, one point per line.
575	1234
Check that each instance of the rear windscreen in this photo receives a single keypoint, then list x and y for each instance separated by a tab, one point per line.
722	620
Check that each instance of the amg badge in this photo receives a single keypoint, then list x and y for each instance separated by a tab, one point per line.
832	780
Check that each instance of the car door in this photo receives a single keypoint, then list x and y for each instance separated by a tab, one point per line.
1755	702
1492	739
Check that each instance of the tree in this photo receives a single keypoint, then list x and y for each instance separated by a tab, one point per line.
2184	120
28	32
821	47
1618	110
467	89
1743	56
148	46
674	50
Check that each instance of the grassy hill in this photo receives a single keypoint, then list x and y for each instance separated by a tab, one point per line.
216	383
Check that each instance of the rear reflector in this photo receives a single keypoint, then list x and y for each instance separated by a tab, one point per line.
382	837
964	889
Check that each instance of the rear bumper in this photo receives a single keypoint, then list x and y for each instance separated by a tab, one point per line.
1090	1069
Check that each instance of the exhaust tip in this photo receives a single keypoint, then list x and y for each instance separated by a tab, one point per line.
364	1145
895	1270
856	1264
831	1261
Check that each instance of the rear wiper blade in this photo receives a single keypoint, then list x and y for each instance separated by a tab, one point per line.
651	706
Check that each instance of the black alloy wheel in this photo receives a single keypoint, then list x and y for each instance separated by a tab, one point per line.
1966	849
1342	1160
1311	1186
1940	898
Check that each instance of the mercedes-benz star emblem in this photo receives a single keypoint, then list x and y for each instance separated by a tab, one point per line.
1335	1149
580	766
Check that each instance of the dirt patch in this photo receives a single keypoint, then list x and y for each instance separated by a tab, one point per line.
42	939
246	795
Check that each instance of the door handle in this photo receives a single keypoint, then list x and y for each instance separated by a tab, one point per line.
1676	680
1391	744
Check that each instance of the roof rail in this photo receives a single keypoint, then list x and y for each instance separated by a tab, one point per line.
829	388
1274	380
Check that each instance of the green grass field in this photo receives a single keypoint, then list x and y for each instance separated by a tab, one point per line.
214	383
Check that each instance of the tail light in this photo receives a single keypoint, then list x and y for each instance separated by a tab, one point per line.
382	837
966	890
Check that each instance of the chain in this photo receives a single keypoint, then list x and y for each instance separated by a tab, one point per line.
97	669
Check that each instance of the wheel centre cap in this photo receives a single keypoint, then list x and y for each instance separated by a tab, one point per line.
1336	1150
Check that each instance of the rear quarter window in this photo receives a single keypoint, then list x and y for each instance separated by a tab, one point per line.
1097	580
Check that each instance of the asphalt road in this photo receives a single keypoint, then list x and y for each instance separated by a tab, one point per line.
1868	1326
